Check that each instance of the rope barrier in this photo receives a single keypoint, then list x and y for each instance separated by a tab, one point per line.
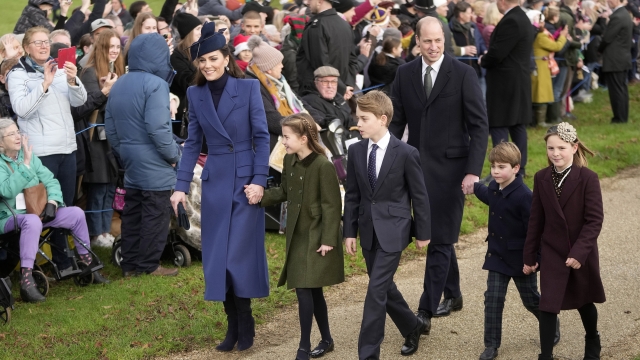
369	88
90	127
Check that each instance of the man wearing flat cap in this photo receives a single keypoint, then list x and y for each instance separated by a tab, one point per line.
326	41
326	99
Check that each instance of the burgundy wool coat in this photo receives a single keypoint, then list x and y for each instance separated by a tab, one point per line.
563	228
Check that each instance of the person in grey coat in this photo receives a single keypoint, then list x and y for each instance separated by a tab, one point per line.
138	126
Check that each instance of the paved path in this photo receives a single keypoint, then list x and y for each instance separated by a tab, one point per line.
460	335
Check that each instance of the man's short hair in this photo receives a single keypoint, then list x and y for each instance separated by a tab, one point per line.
251	15
377	103
425	20
114	18
55	33
136	7
505	152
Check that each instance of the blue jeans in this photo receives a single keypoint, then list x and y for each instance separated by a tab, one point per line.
99	210
558	83
63	167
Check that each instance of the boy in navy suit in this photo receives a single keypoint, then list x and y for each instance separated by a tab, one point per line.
509	201
384	182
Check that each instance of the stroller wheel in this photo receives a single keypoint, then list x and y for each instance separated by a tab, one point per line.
116	251
83	280
181	256
42	284
5	315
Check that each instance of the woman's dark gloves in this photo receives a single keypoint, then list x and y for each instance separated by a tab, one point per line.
183	219
49	213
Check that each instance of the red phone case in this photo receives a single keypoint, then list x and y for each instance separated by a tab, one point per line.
64	55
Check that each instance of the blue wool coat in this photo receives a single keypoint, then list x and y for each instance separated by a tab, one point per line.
509	212
233	252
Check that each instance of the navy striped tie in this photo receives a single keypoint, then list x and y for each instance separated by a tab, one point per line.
371	168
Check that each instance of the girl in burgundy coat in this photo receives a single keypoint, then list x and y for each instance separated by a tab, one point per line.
566	218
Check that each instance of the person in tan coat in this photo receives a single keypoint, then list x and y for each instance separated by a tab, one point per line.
314	257
544	46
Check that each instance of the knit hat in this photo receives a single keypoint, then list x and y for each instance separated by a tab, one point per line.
240	43
253	6
209	41
297	23
438	3
342	6
265	57
185	23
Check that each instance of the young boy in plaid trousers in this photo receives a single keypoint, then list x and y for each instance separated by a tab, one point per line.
509	201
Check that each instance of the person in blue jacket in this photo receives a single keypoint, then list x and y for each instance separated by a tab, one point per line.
138	127
228	111
509	201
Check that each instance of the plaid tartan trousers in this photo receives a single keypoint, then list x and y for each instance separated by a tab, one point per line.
494	298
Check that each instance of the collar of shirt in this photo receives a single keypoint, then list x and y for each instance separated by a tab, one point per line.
435	67
382	143
618	7
117	13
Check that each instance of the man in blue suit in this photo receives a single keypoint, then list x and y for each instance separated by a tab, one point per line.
440	101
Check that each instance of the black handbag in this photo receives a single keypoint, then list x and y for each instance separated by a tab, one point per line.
183	218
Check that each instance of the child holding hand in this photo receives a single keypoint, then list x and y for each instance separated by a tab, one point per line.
509	201
566	219
314	255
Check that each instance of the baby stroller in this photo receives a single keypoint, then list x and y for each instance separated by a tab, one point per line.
81	273
176	248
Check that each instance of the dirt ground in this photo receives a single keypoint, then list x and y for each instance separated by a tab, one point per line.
460	336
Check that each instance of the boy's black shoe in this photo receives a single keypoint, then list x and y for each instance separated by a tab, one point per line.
489	354
413	339
427	321
448	305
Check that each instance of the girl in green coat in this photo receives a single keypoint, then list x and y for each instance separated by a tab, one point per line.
314	251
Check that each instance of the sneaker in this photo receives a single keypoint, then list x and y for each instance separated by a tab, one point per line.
110	237
102	242
161	271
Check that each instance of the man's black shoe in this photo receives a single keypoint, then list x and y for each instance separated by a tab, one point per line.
412	341
448	305
427	321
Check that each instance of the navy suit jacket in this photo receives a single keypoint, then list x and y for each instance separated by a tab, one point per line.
387	209
509	212
449	129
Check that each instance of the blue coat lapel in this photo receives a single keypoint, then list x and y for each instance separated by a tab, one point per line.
416	79
208	111
363	163
227	101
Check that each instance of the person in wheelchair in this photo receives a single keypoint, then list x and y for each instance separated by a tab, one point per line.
327	100
21	169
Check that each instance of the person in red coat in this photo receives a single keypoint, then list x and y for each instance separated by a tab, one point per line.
566	219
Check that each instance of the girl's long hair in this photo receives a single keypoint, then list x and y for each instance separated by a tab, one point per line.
99	58
388	45
580	157
302	124
137	28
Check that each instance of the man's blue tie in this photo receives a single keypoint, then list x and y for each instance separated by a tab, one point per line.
371	168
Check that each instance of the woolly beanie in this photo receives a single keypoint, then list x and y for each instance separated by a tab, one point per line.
185	23
265	57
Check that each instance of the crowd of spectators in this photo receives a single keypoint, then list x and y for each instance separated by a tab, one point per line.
311	56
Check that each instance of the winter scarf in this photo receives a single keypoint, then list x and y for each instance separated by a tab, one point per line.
283	97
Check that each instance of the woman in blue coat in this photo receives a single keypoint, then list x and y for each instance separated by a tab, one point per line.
228	111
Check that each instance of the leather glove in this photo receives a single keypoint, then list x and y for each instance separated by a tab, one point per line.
49	213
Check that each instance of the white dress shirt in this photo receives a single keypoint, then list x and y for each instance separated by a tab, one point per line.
435	69
383	144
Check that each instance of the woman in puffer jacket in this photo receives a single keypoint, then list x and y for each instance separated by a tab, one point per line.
42	95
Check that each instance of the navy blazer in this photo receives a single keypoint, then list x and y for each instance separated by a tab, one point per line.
387	209
509	212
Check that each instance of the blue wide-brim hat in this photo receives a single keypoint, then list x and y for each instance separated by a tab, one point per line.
209	41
